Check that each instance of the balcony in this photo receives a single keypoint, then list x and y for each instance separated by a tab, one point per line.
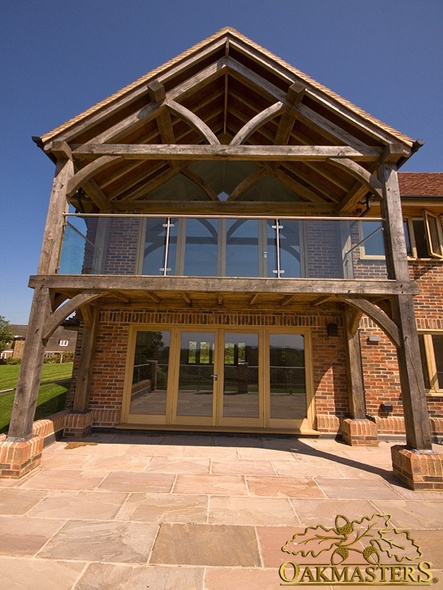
192	246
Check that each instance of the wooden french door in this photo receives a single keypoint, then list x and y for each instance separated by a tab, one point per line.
222	378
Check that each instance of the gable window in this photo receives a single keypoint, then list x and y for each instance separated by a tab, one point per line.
431	349
423	236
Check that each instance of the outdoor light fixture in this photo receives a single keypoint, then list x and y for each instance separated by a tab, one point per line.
332	329
373	339
386	408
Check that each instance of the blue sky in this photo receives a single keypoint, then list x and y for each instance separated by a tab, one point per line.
60	57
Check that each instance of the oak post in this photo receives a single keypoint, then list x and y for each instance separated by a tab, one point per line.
416	415
58	205
26	393
81	395
357	404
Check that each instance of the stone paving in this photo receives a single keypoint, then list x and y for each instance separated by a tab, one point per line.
193	512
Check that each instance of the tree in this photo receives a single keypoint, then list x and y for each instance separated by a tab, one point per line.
6	334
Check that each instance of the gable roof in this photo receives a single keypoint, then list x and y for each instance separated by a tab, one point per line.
163	138
226	34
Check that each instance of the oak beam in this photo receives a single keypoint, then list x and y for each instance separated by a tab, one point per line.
294	153
89	171
79	283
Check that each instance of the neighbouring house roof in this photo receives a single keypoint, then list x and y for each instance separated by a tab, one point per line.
421	184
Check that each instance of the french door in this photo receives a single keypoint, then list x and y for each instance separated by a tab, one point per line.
224	378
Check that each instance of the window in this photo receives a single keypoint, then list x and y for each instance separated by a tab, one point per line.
63	342
431	349
424	237
372	241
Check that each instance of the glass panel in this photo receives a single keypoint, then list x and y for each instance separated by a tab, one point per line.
374	244
420	238
271	249
240	396
201	247
287	387
242	248
438	352
155	244
77	251
290	261
150	375
195	386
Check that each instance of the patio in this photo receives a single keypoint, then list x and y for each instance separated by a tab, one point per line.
133	510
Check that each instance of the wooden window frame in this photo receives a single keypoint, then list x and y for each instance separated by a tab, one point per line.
434	250
431	364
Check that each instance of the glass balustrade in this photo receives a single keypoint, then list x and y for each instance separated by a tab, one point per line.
193	246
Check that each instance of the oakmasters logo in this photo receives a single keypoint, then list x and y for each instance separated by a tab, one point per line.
358	552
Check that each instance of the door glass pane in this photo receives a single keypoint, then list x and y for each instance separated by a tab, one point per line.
201	247
150	374
195	387
242	248
287	387
240	396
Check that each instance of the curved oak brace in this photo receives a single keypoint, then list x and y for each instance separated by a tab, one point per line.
260	119
199	181
360	173
246	183
382	320
191	118
88	172
54	321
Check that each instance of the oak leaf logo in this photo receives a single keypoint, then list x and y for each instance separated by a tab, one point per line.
373	538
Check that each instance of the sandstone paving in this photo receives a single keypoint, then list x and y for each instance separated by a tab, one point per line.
83	505
112	577
284	487
20	573
251	511
242	467
22	536
127	542
178	465
312	512
210	484
142	510
165	508
19	501
126	481
211	545
64	479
